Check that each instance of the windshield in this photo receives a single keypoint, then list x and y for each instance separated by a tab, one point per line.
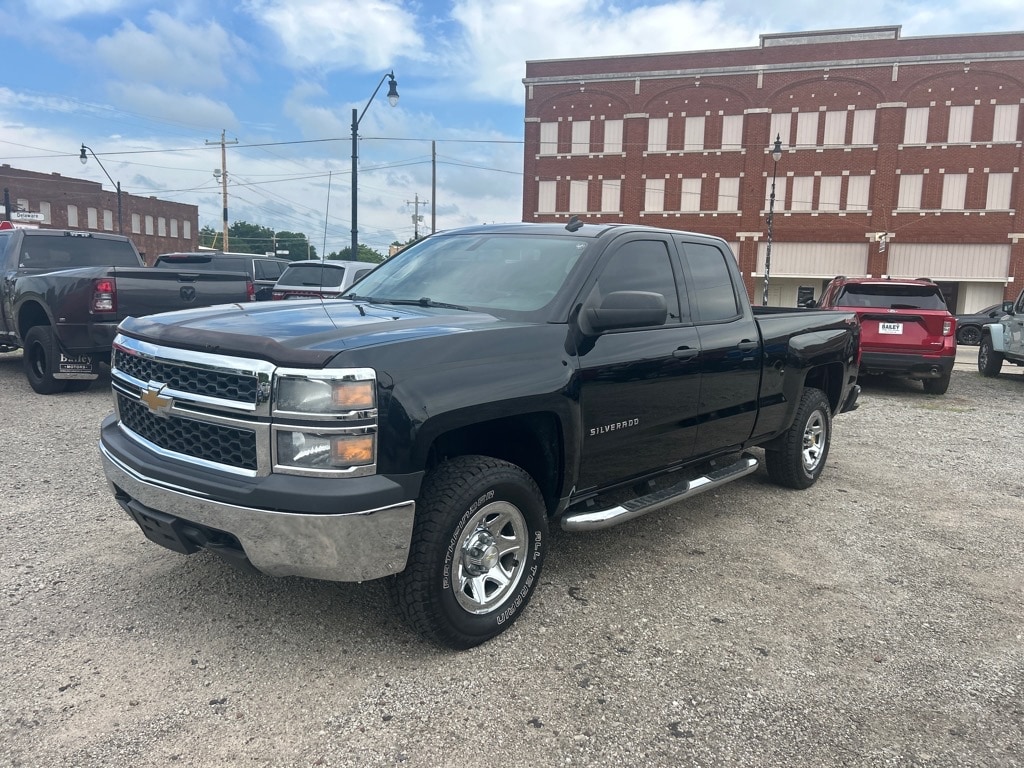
71	252
493	271
312	275
894	296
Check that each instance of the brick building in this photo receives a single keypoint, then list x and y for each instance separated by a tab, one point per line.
60	202
901	156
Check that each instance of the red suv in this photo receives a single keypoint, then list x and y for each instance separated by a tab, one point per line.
906	329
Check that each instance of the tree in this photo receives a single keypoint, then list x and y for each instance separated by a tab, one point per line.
366	253
297	245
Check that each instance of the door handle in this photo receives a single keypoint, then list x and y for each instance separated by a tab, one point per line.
747	346
685	353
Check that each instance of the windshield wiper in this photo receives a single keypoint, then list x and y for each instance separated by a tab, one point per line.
422	302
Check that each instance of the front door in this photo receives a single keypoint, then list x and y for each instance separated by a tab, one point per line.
639	388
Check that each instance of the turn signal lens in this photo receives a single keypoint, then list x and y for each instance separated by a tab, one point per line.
352	450
947	327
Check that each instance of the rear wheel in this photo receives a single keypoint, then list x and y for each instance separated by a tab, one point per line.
989	361
936	386
968	334
42	357
800	455
478	547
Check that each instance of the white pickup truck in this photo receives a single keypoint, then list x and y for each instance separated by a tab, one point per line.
1003	340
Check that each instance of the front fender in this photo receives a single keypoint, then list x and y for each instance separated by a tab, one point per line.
996	332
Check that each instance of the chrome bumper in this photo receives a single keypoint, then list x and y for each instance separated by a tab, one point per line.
350	547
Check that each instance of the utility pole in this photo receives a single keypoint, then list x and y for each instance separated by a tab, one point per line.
222	174
416	218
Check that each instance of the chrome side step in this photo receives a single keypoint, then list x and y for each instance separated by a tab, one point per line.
606	518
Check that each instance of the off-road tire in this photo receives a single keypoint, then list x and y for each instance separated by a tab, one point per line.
478	546
42	360
799	455
990	362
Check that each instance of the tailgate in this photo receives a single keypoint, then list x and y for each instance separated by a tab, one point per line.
912	330
150	291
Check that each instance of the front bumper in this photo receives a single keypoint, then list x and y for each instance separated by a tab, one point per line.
358	545
909	365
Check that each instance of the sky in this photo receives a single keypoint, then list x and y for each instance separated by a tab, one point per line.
149	87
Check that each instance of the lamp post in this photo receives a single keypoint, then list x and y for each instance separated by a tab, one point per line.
776	156
117	184
356	118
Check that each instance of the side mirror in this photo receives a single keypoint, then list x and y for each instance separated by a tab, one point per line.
625	309
1007	307
809	304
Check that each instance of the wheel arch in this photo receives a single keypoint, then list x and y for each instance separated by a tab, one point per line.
30	314
829	379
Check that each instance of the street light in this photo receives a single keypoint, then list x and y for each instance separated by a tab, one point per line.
776	156
117	184
356	118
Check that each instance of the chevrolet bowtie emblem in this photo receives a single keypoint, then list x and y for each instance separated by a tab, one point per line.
155	401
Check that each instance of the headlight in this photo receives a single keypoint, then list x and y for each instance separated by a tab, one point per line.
301	450
326	394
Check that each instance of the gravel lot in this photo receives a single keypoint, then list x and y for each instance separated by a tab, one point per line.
876	619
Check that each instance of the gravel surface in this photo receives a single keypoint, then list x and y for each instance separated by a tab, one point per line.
875	619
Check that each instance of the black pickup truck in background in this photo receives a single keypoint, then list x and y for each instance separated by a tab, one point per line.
262	270
63	293
486	383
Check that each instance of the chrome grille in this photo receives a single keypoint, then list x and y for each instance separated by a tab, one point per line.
237	387
215	443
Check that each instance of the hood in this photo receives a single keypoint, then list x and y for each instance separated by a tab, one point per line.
299	333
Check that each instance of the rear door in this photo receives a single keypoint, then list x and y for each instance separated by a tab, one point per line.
1015	326
898	317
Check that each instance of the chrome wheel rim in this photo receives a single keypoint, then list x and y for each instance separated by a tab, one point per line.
815	436
491	559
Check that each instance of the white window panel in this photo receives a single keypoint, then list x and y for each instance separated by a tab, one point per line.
186	230
729	194
136	224
161	226
863	127
780	193
910	191
92	219
578	191
781	123
549	138
1004	127
72	215
915	126
174	227
828	193
732	132
581	137
835	128
613	137
610	193
954	191
546	196
654	195
44	208
806	129
657	134
689	200
693	137
803	193
960	123
858	189
999	186
108	220
149	225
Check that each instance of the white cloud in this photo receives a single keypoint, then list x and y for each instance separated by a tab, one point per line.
67	9
172	106
344	34
171	52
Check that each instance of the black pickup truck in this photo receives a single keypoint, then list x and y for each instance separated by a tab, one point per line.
484	384
63	293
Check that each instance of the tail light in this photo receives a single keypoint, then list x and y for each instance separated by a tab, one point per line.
104	295
948	326
250	290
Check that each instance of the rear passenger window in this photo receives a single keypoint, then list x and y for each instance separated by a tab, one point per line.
712	287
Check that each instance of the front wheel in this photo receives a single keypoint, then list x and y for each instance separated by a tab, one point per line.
478	545
800	455
42	358
989	361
